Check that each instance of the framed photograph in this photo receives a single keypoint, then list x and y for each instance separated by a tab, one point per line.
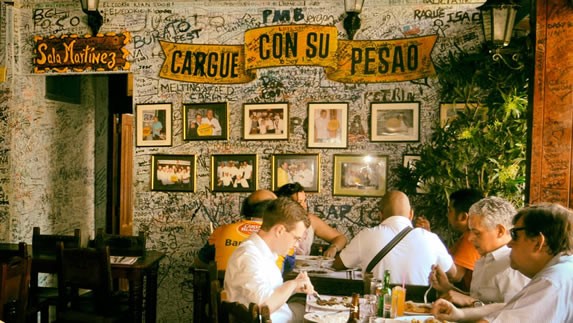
234	173
327	125
301	168
205	121
173	173
395	121
360	175
409	161
153	127
264	121
449	111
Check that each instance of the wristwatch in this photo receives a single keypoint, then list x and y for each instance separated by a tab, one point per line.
478	304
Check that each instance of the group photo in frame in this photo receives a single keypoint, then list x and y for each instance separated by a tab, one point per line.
173	173
395	121
360	175
153	124
292	168
264	121
449	111
327	125
205	121
409	161
234	173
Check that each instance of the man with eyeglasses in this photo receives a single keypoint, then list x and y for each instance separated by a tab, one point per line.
493	280
541	247
252	275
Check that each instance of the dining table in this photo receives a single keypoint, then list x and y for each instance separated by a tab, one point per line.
331	282
141	276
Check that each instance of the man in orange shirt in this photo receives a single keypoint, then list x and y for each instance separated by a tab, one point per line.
226	238
463	251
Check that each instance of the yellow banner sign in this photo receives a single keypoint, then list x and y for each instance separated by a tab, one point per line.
222	64
99	53
375	61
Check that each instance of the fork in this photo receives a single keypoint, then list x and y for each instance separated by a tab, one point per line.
426	294
318	296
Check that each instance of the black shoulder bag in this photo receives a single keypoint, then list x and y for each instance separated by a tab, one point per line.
387	248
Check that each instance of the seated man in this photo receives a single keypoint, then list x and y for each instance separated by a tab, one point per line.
410	260
493	280
541	245
253	277
226	238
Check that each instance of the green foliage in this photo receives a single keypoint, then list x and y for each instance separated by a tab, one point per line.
482	147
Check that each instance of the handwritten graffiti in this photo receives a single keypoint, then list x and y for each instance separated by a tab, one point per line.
283	15
44	19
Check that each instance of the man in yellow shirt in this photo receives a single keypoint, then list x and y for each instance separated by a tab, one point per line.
226	238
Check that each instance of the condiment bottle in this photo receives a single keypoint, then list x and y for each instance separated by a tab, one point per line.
354	315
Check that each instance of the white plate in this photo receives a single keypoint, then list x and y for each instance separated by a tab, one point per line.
336	307
327	317
421	318
419	305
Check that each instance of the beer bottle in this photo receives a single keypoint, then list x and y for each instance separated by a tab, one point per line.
385	297
354	315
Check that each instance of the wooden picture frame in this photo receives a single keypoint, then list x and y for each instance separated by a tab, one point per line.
234	173
395	121
301	168
153	127
265	121
409	161
449	111
360	175
327	125
173	173
205	121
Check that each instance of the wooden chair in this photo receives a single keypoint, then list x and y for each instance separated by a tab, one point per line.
9	250
44	261
129	246
14	284
87	268
218	276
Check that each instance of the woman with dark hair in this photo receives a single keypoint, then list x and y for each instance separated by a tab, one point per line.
317	227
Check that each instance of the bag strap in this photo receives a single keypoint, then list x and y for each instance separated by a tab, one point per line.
387	248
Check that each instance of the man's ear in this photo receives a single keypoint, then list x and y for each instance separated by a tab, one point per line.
540	242
462	216
500	230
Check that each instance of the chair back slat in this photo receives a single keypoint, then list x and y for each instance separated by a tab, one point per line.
14	287
45	245
9	250
84	268
130	246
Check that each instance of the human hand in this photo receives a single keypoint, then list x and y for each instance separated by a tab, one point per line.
439	280
422	222
331	251
444	310
303	284
458	299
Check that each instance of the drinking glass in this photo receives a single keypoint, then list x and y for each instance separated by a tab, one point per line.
398	301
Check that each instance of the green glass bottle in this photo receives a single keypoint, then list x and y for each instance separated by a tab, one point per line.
385	297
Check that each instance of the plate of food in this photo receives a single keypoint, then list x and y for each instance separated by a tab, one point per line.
332	303
327	317
412	308
313	261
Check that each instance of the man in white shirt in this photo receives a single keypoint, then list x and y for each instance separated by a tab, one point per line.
493	280
213	122
541	245
321	127
252	274
410	261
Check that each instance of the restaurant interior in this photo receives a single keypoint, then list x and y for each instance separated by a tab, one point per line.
421	95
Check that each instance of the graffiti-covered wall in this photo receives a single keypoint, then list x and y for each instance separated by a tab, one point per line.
178	222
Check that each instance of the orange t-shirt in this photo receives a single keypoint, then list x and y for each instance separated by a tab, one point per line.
465	255
228	237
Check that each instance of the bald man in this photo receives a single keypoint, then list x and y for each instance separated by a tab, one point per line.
226	238
411	260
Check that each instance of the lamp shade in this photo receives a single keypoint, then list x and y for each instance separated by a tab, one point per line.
498	18
90	5
353	5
